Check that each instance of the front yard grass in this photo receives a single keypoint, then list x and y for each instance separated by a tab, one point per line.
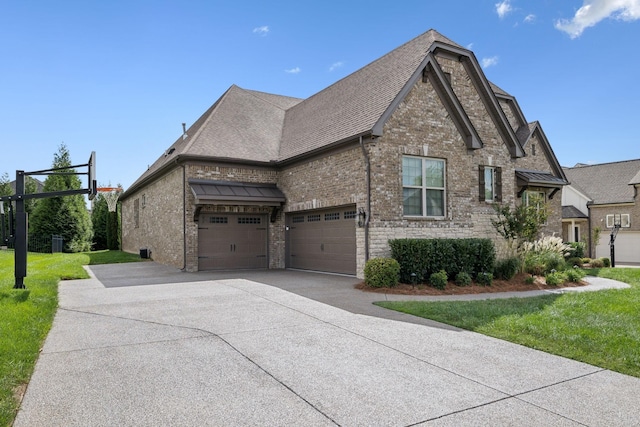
600	328
25	322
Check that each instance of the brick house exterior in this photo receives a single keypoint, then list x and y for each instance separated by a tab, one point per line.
416	144
597	193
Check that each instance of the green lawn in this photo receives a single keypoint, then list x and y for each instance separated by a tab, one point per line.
24	324
600	328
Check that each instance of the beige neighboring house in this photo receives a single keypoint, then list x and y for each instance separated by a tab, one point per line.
417	144
596	195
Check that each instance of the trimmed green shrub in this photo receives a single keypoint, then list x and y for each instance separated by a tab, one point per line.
438	280
463	279
484	279
530	280
427	256
505	269
606	261
597	263
555	278
574	262
575	274
381	272
586	260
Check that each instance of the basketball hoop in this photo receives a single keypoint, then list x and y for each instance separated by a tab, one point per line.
110	194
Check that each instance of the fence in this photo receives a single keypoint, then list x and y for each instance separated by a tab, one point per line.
42	244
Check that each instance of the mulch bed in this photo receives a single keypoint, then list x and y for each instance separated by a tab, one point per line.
518	283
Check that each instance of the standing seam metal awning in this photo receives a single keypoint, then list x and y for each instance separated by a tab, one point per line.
537	178
235	193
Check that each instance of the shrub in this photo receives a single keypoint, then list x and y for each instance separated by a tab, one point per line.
586	260
505	269
541	263
575	274
438	280
555	278
427	256
484	279
463	279
381	272
606	261
530	280
574	262
547	244
576	249
597	263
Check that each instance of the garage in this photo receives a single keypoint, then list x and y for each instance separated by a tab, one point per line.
322	240
229	242
627	246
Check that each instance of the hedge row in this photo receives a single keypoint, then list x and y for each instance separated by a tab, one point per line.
427	256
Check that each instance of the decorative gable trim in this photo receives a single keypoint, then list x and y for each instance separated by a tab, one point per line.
430	69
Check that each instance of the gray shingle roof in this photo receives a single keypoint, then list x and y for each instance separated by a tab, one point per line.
572	212
607	182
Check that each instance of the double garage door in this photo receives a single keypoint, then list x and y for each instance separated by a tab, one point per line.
228	242
322	240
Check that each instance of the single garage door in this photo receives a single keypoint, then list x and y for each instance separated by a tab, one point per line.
627	246
232	242
323	240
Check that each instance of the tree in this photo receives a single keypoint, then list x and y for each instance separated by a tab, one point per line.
99	215
521	224
65	216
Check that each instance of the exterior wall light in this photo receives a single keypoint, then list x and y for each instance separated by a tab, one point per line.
362	216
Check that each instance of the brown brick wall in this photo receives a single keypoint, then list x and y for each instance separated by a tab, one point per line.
160	220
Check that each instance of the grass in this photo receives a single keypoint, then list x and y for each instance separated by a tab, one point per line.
600	328
26	316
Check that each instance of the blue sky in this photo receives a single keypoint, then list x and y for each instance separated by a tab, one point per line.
119	77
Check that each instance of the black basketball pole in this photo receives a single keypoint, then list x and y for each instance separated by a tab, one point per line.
21	234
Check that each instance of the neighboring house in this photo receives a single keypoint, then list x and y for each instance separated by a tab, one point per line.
416	144
596	195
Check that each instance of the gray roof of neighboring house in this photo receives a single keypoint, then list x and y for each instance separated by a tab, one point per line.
607	182
572	212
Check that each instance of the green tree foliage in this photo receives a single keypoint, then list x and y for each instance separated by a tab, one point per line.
66	216
5	190
99	214
521	224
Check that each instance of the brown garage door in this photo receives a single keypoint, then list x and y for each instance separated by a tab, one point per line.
323	240
232	242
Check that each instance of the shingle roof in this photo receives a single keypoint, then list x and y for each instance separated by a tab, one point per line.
607	182
363	97
572	212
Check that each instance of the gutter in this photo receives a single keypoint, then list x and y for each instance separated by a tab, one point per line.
367	162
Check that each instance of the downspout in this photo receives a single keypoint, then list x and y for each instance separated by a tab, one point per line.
591	255
367	164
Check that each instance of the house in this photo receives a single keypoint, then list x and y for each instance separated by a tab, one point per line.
597	197
416	144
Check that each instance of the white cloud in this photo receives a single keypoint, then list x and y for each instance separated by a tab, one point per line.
263	31
489	62
336	65
594	11
530	18
293	70
503	8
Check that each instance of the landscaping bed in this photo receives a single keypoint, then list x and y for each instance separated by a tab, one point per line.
517	284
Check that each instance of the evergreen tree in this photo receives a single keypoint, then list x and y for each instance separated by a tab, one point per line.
99	215
66	216
5	190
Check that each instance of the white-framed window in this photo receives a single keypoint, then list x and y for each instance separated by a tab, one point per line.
490	184
423	186
625	220
535	198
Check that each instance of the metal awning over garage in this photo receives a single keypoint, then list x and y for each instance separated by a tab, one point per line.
526	179
235	193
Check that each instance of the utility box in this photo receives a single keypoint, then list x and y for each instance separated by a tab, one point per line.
56	244
145	253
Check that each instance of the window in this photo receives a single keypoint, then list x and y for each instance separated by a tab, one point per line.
249	220
298	219
623	219
313	218
332	216
490	184
423	186
350	214
218	220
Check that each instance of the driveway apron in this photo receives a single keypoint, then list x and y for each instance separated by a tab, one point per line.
196	350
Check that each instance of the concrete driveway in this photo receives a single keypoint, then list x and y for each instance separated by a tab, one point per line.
226	350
